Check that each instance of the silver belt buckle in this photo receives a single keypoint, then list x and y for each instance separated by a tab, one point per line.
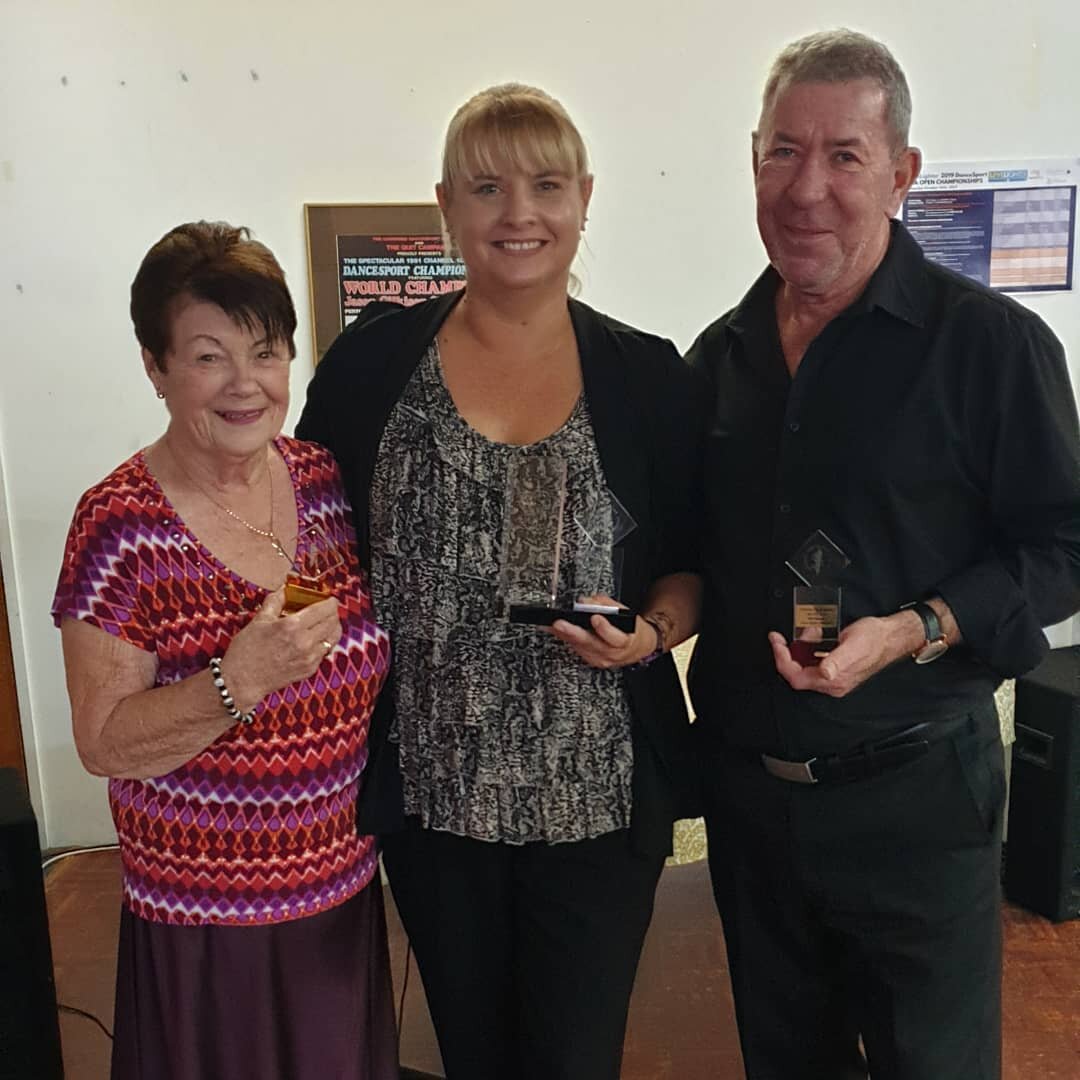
798	772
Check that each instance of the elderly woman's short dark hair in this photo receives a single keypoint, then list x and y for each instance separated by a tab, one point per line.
218	263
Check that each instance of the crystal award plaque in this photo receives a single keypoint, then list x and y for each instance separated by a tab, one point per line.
538	582
816	603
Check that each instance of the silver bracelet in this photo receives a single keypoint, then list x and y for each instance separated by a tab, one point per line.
226	697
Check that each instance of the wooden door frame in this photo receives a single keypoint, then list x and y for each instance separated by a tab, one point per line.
12	751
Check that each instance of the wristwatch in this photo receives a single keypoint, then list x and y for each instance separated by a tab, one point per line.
937	644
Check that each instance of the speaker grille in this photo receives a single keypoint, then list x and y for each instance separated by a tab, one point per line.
1042	865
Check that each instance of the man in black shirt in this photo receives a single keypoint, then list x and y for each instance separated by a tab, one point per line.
917	434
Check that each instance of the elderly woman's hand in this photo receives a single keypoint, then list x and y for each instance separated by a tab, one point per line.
271	651
605	646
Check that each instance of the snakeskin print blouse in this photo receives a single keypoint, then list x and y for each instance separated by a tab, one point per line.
504	734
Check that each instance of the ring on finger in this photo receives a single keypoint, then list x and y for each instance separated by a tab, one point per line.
327	647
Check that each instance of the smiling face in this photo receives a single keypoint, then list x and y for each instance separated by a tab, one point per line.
828	180
516	226
226	386
515	188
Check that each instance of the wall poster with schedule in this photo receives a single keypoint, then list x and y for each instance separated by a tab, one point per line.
1007	224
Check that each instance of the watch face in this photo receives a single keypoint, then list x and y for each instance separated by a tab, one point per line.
931	651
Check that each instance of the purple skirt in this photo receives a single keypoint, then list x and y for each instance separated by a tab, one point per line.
309	999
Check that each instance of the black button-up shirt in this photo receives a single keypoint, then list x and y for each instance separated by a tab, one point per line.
930	431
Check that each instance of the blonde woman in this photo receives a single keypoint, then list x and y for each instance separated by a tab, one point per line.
524	781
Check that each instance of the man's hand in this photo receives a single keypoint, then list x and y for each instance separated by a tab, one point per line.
866	646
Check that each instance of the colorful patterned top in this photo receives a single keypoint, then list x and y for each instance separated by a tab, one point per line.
260	826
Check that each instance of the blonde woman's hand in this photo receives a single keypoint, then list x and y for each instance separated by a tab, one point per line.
605	646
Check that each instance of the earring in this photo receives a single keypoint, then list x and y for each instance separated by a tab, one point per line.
161	395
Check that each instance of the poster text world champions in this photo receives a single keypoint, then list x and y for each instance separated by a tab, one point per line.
400	269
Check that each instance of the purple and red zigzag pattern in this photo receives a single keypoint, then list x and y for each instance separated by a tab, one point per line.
260	826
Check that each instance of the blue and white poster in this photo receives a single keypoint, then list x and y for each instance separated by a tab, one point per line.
1009	225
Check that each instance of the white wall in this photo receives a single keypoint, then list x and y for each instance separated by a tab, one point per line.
121	118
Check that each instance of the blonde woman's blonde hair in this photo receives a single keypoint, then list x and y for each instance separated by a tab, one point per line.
511	124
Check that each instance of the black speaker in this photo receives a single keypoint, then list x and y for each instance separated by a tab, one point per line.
29	1030
1042	860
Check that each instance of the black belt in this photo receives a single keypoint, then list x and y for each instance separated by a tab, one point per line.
870	759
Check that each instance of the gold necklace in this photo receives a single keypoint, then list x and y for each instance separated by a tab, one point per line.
268	534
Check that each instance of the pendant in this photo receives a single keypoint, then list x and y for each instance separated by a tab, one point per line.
276	544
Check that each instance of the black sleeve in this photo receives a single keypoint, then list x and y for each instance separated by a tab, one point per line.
697	353
314	423
710	342
344	388
1022	425
680	411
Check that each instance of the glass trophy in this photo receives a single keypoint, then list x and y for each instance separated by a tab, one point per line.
308	579
547	560
816	603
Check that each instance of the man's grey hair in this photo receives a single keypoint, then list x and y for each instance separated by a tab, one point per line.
843	56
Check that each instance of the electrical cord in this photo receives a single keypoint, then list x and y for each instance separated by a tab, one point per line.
82	1012
77	851
401	1000
406	1072
60	1006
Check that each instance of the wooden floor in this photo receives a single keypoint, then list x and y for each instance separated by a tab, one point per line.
681	1020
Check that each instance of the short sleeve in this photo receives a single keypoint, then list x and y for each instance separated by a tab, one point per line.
680	409
100	577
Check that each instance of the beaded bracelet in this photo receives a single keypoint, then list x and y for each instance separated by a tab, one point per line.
661	640
226	698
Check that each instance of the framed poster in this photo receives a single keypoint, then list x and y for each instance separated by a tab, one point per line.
362	252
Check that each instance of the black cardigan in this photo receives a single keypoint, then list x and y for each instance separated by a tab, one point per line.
648	414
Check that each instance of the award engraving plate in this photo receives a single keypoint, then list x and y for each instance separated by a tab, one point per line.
816	623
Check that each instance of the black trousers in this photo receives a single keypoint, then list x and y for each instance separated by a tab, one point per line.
527	953
870	908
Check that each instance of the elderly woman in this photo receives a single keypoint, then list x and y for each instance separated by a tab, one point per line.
251	945
526	780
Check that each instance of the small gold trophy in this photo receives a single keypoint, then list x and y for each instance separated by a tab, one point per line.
308	579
